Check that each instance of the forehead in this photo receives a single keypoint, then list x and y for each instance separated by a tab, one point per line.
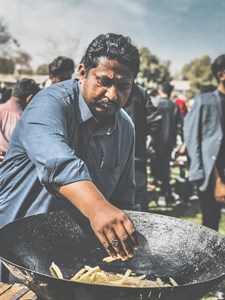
113	69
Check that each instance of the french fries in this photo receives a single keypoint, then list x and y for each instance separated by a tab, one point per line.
110	258
97	276
55	271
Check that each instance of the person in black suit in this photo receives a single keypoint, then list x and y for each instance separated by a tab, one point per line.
165	140
147	121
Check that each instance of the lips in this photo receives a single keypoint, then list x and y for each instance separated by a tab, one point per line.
108	104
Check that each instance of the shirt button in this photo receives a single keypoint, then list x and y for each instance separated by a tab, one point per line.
213	157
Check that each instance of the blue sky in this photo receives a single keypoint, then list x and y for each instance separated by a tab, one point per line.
175	30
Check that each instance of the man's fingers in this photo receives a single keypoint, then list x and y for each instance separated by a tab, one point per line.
116	233
129	226
115	242
126	233
106	243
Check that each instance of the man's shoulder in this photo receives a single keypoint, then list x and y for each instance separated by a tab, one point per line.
125	118
206	99
207	96
62	89
11	107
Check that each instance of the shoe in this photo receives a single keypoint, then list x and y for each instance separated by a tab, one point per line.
175	196
162	201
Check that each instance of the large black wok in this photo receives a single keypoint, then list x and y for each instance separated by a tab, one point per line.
191	254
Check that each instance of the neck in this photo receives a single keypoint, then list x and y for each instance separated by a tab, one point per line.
221	88
18	100
163	95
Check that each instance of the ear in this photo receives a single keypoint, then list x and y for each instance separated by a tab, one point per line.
81	71
28	99
221	75
55	79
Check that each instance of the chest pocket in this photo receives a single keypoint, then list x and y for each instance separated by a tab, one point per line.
104	174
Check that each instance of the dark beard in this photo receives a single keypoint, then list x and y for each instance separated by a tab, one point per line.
111	108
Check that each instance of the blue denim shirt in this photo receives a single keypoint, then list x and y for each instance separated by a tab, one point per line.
56	142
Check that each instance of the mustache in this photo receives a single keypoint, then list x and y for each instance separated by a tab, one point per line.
114	103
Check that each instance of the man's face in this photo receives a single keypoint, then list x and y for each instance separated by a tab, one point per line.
106	88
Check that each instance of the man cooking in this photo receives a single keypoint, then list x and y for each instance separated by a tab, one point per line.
74	145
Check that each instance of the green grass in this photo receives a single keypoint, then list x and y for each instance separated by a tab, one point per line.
190	212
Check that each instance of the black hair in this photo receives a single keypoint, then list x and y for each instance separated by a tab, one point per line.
218	65
5	94
61	64
166	88
24	88
113	47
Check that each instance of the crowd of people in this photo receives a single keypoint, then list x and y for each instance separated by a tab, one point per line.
81	143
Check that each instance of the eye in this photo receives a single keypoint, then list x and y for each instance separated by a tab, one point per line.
104	82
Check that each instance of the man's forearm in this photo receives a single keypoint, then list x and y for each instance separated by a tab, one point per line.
114	229
84	195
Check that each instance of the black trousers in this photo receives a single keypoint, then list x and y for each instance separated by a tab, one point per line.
211	209
163	171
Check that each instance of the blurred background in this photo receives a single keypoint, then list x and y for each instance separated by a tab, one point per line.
177	41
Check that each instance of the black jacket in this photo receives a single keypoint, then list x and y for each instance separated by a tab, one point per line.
165	140
146	118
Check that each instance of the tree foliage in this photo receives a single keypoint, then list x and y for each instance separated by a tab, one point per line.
22	62
153	71
7	66
42	69
8	44
13	59
198	73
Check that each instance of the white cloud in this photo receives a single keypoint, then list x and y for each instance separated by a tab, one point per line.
34	22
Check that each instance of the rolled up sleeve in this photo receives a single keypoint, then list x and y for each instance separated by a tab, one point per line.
47	129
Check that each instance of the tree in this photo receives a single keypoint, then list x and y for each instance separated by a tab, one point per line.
42	69
7	66
153	71
12	57
22	62
8	44
7	48
198	73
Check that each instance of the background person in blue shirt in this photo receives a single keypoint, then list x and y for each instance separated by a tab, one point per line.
74	142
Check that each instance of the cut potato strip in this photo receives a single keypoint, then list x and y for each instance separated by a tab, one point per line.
55	271
110	258
78	274
173	282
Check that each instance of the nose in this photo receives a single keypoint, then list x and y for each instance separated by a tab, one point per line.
111	93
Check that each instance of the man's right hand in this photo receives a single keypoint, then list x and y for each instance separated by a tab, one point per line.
115	230
111	225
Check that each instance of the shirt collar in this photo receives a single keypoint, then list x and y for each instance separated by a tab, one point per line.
85	112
